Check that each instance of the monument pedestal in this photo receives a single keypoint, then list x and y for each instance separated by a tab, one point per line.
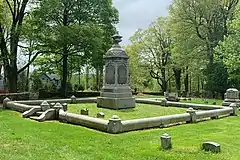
231	96
116	103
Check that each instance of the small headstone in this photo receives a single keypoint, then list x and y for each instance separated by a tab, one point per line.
211	146
172	97
73	100
100	115
65	106
45	106
164	102
166	141
84	111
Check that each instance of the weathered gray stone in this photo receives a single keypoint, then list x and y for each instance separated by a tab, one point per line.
193	115
57	107
172	97
231	96
211	146
84	112
116	92
235	109
73	100
164	102
5	101
100	115
47	115
31	112
114	125
166	141
65	106
45	106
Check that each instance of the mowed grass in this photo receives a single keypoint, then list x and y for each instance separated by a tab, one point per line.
193	100
202	101
24	139
140	111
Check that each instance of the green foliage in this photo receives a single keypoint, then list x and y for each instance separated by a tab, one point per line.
139	74
229	51
22	79
199	25
76	32
155	50
217	80
36	82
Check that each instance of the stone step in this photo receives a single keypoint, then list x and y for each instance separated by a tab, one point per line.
34	118
38	113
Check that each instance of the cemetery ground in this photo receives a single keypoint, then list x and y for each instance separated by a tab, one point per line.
140	111
24	139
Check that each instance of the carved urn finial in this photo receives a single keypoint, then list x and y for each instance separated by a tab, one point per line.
117	38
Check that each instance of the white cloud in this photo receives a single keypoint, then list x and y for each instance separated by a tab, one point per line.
136	14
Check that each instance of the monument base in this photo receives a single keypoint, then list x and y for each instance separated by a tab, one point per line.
116	103
228	102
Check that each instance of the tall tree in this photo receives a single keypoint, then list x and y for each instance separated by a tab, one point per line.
9	36
228	50
204	20
156	44
76	27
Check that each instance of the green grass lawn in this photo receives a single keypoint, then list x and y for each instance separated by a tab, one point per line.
24	139
201	101
141	111
193	100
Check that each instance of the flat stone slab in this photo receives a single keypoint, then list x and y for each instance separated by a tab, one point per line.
211	146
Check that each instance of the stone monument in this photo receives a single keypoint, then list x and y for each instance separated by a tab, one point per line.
116	92
231	96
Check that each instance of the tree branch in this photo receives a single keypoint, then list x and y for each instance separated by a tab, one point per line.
10	7
30	62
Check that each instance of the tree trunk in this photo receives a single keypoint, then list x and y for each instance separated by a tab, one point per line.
177	75
97	79
79	74
164	82
65	58
64	73
101	77
186	80
87	77
12	78
28	69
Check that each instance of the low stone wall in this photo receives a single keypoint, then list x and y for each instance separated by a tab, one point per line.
15	96
214	113
144	123
46	95
78	100
178	104
116	125
82	120
18	107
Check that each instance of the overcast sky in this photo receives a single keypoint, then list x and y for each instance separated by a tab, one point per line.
136	14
